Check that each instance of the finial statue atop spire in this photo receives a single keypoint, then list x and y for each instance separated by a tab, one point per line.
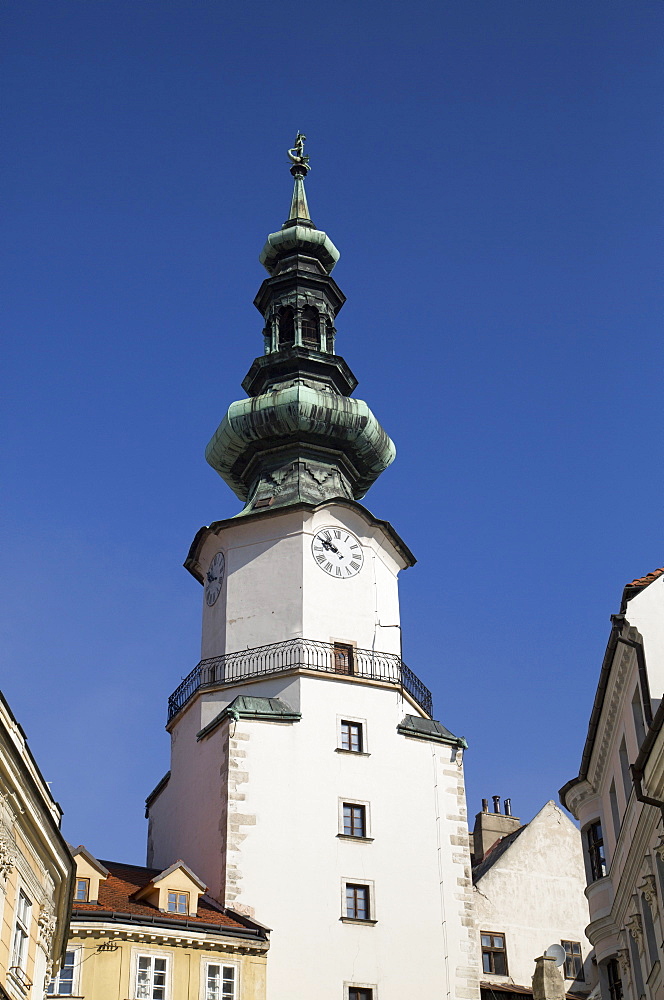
297	157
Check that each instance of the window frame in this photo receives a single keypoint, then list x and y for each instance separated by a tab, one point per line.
21	934
614	979
595	852
492	950
206	962
153	954
353	804
55	980
352	990
177	893
82	880
350	720
369	901
570	956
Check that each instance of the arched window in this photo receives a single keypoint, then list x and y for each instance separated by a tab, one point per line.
328	338
286	328
310	334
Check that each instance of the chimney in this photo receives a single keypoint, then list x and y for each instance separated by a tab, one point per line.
548	983
490	827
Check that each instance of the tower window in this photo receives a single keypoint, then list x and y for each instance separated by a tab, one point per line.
355	820
352	736
494	953
359	993
573	960
357	902
343	658
178	902
310	332
286	328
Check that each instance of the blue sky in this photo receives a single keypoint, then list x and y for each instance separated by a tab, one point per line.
491	173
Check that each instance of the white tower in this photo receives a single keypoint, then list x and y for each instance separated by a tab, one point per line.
309	784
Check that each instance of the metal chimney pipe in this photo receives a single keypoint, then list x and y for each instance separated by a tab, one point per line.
508	807
496	803
485	805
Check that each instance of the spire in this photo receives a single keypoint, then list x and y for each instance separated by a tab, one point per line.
300	437
299	210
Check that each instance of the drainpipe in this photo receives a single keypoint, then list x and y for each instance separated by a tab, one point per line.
638	767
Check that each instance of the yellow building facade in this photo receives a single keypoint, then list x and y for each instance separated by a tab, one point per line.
141	934
36	870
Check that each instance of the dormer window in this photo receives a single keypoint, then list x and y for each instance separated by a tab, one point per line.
310	331
82	890
178	902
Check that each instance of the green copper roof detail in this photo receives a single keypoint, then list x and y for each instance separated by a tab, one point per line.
245	707
428	729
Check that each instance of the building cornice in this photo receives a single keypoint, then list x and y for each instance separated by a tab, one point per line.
125	927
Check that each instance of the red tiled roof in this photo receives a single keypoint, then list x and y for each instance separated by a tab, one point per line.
643	581
124	881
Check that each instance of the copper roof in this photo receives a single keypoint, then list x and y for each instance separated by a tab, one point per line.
124	881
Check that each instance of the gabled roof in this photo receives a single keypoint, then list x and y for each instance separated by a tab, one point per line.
83	852
636	586
116	899
494	853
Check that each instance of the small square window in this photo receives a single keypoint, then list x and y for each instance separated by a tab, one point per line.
494	954
352	736
357	902
573	960
178	902
355	820
82	890
360	993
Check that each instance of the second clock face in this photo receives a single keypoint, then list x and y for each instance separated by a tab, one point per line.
337	552
214	578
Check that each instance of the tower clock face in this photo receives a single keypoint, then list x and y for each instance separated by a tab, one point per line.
214	578
337	552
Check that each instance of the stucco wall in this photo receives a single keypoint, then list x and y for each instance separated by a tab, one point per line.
534	895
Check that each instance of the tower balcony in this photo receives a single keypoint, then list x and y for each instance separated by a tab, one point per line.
299	654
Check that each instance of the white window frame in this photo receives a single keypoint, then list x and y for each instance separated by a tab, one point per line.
22	922
372	918
367	820
223	963
152	953
55	980
364	752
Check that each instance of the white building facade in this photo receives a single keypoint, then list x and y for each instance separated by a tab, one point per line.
618	797
309	783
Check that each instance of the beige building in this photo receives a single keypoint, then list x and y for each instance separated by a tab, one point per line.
35	870
618	797
146	934
528	881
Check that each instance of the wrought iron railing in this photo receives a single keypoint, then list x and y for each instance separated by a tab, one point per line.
307	654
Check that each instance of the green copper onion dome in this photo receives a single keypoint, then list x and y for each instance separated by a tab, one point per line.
299	437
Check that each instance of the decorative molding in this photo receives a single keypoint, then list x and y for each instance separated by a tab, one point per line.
623	958
610	712
8	858
46	923
648	887
634	924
